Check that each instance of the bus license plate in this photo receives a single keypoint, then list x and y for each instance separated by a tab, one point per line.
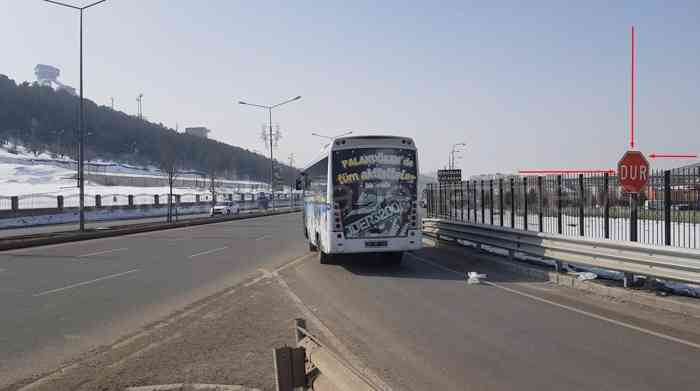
376	243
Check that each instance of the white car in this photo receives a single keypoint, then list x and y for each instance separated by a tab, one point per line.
225	208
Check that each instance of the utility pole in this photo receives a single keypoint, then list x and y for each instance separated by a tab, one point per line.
140	100
112	99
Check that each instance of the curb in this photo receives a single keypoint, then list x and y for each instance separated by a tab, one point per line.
18	242
647	299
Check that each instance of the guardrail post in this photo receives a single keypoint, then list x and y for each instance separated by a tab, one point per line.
428	200
98	201
491	199
500	198
512	202
540	215
634	198
290	371
526	214
14	202
156	200
59	202
451	204
606	202
461	201
130	200
299	323
581	219
559	225
558	266
468	203
476	220
483	204
667	207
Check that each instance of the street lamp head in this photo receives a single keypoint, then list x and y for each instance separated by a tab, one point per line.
240	102
297	98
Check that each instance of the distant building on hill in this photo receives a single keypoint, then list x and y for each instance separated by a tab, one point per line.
198	131
47	75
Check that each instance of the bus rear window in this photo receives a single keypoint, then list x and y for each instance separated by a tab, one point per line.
374	189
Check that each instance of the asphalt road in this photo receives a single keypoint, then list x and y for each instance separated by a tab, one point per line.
422	327
58	301
419	326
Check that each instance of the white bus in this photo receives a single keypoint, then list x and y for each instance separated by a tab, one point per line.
360	196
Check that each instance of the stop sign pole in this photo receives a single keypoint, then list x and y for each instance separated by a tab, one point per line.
633	174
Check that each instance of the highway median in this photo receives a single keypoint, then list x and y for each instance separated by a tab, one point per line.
43	239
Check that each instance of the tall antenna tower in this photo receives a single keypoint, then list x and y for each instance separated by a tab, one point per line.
265	135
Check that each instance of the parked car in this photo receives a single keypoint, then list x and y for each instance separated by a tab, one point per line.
226	208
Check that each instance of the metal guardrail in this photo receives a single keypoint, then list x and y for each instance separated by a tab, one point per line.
642	259
312	366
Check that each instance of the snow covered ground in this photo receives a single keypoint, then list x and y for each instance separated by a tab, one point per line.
38	179
97	215
683	234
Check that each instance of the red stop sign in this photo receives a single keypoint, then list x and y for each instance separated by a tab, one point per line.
633	171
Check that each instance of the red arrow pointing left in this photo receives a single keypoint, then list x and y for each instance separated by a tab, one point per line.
673	155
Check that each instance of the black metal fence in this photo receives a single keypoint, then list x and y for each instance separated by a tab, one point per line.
666	212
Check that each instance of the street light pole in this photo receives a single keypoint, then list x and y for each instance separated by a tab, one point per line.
272	160
331	137
272	163
81	118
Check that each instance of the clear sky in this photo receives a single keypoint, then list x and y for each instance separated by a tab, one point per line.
526	84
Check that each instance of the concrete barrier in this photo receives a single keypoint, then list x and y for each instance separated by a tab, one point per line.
25	241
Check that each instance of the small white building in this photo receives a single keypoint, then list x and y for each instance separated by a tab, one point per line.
198	131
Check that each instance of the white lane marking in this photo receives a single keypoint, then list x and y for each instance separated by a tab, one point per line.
85	283
102	252
207	252
292	263
264	237
572	309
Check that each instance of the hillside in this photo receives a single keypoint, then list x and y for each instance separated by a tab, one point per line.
42	119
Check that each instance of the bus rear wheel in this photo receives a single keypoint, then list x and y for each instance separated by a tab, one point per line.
393	259
325	259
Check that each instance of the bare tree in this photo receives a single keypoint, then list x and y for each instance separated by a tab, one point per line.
215	166
170	163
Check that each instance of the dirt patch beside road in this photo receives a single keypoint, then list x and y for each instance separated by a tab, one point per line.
227	339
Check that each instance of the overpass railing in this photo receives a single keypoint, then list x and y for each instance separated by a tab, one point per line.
666	212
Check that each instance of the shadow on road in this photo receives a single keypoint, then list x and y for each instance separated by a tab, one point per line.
372	265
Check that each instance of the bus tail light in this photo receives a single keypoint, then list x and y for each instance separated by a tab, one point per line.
337	222
414	214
